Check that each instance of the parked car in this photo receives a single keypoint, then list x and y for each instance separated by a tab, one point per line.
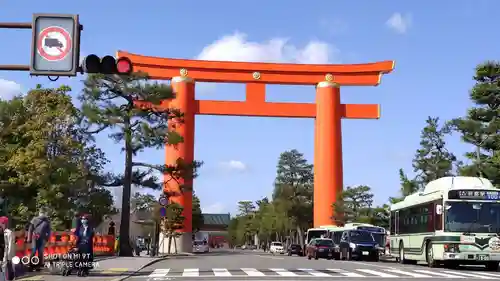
200	247
277	248
358	244
323	248
295	249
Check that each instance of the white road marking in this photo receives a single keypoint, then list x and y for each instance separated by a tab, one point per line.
191	272
270	257
314	272
221	272
345	273
159	272
371	264
283	272
418	275
468	275
438	273
377	273
487	274
252	272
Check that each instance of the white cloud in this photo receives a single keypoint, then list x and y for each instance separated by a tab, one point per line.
216	208
234	165
9	89
399	23
236	47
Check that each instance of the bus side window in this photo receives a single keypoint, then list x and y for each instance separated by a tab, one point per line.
396	222
391	225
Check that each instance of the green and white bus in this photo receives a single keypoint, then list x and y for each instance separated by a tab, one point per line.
453	221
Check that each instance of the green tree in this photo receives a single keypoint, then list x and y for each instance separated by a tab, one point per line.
171	223
110	102
246	208
481	125
354	205
197	214
46	160
235	232
143	201
432	160
293	189
408	186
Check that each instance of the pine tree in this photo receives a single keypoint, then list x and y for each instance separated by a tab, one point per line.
480	127
432	160
354	205
110	103
197	214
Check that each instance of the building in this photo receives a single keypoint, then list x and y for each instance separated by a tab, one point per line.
214	229
140	223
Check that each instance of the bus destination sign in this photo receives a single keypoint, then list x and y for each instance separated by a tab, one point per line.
474	194
371	229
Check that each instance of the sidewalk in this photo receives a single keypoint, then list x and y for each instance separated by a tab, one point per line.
114	266
120	266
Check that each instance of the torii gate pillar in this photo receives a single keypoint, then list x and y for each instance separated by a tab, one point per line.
327	111
328	176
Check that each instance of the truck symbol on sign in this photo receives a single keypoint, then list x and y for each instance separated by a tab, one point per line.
53	43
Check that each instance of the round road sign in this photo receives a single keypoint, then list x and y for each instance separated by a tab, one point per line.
54	43
163	201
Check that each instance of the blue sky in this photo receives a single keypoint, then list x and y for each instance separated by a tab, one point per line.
436	45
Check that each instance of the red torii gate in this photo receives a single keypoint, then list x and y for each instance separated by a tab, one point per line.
327	110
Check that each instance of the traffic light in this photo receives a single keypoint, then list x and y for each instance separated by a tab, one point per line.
106	65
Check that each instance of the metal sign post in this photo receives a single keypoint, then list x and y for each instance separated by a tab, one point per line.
55	45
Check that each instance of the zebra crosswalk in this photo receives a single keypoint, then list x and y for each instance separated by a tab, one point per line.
325	273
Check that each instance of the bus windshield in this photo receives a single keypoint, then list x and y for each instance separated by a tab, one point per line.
379	238
472	217
358	236
317	233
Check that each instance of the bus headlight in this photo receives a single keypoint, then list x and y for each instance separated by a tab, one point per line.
352	245
452	248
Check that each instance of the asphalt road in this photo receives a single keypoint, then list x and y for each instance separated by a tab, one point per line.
248	265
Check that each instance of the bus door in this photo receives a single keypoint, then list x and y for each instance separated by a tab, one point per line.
393	242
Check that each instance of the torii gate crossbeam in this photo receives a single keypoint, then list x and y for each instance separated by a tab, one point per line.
327	110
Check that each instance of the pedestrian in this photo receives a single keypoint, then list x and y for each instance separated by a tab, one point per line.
84	243
9	248
38	235
111	228
148	243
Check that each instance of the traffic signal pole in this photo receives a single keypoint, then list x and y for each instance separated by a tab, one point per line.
55	45
55	49
15	25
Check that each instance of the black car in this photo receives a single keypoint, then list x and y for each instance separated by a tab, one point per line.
295	249
359	245
320	248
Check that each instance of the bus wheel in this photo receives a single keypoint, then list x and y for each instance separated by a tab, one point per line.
429	255
402	259
492	266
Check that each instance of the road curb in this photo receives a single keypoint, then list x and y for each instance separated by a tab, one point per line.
141	268
159	259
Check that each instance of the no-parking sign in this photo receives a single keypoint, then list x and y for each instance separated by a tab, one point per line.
55	45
